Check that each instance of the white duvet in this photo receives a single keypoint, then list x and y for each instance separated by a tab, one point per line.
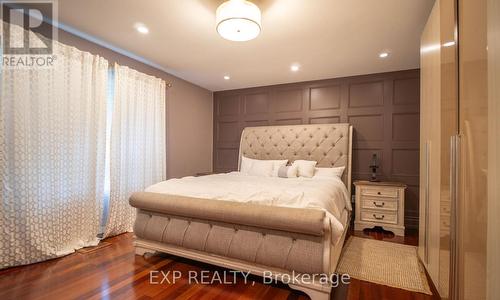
326	193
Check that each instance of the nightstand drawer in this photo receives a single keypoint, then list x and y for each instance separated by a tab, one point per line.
380	204
379	217
379	192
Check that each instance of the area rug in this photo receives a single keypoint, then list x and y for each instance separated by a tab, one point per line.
385	263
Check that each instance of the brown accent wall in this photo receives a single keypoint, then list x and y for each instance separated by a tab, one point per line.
383	109
189	112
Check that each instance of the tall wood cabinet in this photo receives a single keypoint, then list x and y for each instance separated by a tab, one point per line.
459	93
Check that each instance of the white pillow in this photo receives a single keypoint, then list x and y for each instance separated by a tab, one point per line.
258	167
246	164
288	171
306	167
329	172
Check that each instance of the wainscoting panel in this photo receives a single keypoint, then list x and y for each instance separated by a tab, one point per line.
327	97
256	103
383	108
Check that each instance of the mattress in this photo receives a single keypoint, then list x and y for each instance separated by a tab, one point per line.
325	193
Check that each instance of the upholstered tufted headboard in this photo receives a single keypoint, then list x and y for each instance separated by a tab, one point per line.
328	144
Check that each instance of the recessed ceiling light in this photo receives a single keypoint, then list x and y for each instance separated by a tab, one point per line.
449	44
141	28
295	68
383	55
226	77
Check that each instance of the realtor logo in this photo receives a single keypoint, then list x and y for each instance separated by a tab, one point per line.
27	33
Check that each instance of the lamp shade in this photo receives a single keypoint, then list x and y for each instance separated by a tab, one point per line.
238	20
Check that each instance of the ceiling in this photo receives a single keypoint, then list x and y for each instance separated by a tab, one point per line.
327	38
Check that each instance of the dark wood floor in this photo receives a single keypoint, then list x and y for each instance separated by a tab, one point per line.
115	272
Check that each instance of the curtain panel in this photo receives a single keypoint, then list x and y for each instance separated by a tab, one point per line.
138	143
52	144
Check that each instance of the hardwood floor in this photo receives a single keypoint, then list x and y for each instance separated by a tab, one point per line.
365	290
115	272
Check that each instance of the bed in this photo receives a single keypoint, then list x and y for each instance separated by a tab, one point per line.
262	225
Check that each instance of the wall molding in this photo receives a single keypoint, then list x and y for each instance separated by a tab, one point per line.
381	107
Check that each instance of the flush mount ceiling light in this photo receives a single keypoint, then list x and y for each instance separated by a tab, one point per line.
238	20
227	77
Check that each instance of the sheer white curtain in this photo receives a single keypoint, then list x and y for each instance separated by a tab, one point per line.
52	144
138	137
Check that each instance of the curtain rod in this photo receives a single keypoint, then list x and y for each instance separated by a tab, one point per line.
167	84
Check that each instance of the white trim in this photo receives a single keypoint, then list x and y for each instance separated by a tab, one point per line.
107	45
119	50
110	46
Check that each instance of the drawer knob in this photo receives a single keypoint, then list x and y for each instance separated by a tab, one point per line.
378	217
379	193
378	204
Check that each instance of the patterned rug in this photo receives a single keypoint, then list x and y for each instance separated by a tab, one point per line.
385	263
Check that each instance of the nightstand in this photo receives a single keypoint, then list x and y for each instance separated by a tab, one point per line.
380	204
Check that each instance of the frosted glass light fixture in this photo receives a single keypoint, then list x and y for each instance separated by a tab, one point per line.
238	20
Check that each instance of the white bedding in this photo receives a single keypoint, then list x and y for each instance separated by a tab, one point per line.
328	194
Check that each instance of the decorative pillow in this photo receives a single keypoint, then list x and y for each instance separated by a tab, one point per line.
288	171
277	165
329	172
258	167
305	167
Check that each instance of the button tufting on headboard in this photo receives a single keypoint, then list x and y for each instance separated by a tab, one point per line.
325	143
